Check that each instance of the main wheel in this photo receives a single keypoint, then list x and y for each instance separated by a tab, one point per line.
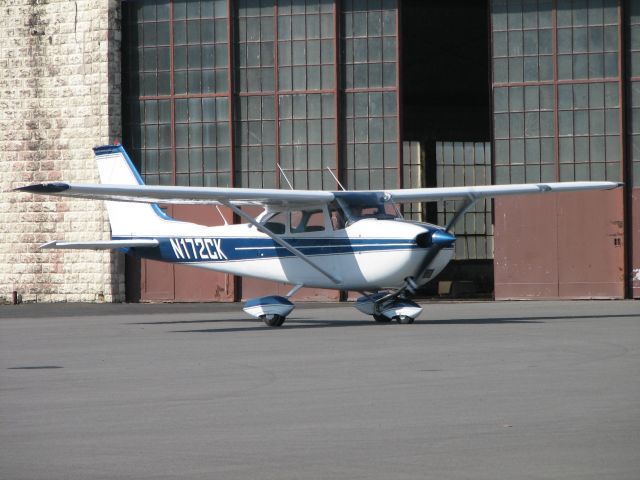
404	319
379	318
273	320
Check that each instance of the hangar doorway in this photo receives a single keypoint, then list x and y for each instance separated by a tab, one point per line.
506	91
447	124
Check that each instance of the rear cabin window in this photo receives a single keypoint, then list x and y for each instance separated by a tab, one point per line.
276	223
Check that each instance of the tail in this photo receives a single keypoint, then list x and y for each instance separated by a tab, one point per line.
128	219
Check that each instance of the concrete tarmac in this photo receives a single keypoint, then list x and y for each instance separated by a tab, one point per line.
483	390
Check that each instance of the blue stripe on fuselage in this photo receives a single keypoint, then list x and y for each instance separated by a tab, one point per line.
216	249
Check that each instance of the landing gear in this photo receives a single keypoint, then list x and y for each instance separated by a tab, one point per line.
273	320
404	319
385	307
272	309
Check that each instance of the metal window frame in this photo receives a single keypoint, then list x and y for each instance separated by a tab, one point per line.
232	92
556	82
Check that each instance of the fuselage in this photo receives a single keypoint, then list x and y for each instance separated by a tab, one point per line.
369	254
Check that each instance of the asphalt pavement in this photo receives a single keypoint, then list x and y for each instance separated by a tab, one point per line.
472	390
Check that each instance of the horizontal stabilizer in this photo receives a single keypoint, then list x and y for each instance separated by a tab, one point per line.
102	244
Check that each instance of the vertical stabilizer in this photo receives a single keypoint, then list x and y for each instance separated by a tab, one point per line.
128	219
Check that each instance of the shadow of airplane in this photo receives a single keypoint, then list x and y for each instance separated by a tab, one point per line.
293	323
298	323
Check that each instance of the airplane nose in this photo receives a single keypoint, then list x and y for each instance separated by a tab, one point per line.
442	238
438	237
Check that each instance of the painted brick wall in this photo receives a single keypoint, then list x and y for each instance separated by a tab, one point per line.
59	97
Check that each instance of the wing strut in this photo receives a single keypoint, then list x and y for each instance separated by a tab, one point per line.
282	242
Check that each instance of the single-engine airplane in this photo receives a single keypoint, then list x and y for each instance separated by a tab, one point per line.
347	240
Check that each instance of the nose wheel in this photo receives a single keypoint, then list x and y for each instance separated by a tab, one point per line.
404	319
387	307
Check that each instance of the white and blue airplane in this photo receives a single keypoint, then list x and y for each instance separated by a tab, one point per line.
346	240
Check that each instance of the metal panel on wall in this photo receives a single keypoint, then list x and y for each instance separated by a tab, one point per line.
566	245
557	117
369	43
177	124
526	261
633	144
285	115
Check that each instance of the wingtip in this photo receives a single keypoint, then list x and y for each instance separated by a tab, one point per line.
43	188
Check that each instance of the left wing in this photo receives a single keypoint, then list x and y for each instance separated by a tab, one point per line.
174	194
476	193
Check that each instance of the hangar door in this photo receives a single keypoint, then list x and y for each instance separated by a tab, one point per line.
558	111
230	93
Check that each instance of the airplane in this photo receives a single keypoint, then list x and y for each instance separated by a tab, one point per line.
345	240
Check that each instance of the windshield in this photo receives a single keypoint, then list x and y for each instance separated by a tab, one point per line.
359	206
381	211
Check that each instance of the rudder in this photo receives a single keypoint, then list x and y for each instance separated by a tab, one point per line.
128	219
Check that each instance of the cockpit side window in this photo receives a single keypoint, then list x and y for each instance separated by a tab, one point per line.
303	221
338	217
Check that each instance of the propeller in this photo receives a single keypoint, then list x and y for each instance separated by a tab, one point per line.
436	241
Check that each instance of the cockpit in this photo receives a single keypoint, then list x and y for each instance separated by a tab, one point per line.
345	210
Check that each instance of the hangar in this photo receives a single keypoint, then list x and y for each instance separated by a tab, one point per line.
384	93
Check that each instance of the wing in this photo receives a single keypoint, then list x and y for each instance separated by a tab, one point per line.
476	193
174	195
264	197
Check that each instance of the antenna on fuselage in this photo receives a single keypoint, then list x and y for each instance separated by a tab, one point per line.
285	177
336	179
221	215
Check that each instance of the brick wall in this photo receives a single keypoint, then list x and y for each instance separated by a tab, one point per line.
59	97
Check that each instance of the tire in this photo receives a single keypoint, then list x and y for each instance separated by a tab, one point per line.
379	318
403	319
273	320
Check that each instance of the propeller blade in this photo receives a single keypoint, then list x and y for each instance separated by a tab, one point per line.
434	241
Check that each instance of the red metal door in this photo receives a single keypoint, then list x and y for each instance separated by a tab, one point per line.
590	245
525	247
568	245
